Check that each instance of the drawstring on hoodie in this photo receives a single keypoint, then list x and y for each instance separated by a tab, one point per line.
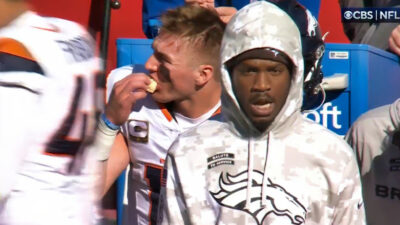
250	173
264	183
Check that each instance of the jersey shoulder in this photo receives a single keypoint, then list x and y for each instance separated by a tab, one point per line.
15	57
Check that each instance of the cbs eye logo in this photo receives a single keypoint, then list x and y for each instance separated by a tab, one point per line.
348	15
361	15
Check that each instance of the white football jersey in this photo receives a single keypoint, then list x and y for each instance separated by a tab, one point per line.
48	71
149	131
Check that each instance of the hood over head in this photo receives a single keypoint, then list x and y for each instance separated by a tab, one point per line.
261	25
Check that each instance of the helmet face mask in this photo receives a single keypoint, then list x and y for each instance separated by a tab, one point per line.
312	70
313	51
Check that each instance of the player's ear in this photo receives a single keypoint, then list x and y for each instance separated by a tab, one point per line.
205	72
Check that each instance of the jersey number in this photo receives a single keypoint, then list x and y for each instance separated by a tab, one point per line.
67	140
153	176
60	143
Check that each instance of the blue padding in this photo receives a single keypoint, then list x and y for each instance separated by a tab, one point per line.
133	51
373	76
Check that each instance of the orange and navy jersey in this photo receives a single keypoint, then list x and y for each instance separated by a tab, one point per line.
150	130
48	81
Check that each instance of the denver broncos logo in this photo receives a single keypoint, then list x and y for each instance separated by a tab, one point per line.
279	201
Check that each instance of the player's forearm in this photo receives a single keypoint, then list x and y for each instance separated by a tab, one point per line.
103	140
100	150
117	162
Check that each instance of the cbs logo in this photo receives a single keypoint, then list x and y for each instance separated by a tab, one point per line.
348	15
358	15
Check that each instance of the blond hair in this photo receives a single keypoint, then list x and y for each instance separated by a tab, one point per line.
199	27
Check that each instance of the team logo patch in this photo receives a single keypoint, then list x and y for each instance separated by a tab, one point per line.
220	159
233	190
138	131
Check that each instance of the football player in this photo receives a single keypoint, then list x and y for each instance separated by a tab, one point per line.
48	71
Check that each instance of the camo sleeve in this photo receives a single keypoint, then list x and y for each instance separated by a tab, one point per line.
350	207
171	205
184	202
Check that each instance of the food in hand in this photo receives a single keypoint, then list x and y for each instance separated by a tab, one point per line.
152	86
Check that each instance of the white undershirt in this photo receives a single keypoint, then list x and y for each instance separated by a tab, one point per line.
186	123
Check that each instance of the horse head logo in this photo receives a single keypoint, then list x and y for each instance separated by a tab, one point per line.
233	190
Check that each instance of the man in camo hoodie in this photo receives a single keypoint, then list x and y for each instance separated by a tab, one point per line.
266	164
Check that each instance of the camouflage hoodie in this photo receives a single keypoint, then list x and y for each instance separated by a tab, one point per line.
297	172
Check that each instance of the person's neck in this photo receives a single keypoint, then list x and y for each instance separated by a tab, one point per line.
200	103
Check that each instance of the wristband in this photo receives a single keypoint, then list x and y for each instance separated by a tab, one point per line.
103	141
108	123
